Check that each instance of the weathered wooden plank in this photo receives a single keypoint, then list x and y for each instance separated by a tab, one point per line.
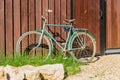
31	20
114	24
9	27
63	17
16	21
118	22
86	13
57	19
24	21
38	14
68	5
108	24
44	6
2	41
31	15
51	16
96	32
78	13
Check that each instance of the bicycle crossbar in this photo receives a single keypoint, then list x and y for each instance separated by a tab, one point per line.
58	25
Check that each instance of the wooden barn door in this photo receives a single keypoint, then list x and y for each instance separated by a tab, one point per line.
87	15
113	24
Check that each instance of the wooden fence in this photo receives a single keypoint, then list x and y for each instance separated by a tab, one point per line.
19	16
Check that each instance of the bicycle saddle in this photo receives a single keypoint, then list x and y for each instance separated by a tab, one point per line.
69	21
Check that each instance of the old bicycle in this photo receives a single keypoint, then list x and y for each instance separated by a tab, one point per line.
80	43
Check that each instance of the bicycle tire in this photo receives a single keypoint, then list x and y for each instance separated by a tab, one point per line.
31	46
85	54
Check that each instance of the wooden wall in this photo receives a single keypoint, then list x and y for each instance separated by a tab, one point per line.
19	16
112	24
87	15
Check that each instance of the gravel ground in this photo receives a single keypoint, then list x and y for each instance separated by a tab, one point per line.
105	68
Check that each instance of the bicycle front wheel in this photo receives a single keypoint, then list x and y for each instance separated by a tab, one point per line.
27	43
83	46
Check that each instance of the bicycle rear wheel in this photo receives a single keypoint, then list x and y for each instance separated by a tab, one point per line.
27	43
84	47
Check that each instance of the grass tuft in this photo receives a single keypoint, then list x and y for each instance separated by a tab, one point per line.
71	67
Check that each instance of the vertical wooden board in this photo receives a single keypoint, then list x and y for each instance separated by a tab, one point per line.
57	19
2	41
82	13
78	13
9	28
44	6
24	15
63	10
38	14
90	16
31	20
118	22
52	16
108	24
63	17
114	24
96	26
16	21
85	13
68	5
24	21
31	15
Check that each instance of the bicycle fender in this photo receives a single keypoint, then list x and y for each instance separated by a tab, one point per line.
71	38
84	30
75	33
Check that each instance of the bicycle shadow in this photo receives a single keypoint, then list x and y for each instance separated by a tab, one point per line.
96	58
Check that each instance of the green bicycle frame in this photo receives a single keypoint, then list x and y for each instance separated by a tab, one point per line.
45	32
69	36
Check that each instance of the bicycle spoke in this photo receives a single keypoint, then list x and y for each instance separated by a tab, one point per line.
89	43
85	39
80	41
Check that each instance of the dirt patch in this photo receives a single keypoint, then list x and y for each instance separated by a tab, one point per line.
106	68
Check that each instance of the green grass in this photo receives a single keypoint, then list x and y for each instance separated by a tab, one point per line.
71	67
